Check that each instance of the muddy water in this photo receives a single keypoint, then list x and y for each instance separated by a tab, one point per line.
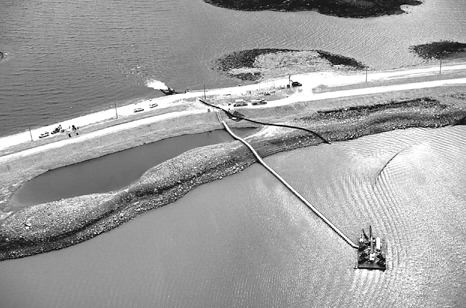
244	241
112	171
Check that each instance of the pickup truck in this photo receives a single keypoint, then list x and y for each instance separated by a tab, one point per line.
43	135
240	104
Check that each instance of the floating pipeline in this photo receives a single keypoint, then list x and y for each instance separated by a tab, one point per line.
63	223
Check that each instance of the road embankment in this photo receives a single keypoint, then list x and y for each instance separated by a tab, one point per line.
63	223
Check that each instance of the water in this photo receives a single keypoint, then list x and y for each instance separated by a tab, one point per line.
113	171
66	58
244	241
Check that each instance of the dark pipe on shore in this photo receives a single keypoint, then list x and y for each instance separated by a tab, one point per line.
241	117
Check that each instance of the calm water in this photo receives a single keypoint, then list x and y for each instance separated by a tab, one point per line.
68	57
112	171
244	241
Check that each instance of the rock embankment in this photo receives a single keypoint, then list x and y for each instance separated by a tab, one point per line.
340	8
67	222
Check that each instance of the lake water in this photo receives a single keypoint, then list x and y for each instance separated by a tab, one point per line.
66	58
245	241
113	171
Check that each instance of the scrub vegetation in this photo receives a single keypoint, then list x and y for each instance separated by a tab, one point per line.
439	50
256	64
340	8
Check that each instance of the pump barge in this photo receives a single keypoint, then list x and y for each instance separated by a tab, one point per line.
371	252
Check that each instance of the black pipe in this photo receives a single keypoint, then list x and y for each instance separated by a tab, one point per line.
241	117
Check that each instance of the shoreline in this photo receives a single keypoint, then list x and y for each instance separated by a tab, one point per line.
312	80
337	115
63	223
266	63
439	50
347	9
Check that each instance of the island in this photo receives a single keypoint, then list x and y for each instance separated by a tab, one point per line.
340	8
440	50
257	64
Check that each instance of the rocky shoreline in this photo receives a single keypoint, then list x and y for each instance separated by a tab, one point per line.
63	223
253	64
340	8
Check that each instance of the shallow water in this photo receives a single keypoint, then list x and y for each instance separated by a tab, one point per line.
65	58
244	241
113	171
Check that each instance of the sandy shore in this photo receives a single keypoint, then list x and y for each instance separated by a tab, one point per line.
338	116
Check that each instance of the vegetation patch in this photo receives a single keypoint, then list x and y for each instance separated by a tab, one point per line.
340	8
439	50
255	64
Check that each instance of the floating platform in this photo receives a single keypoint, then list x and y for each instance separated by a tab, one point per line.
371	252
168	91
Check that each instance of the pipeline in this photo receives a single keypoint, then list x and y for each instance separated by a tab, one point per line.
241	117
300	197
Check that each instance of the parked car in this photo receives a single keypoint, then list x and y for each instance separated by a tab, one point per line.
139	109
43	135
153	105
259	102
296	84
240	104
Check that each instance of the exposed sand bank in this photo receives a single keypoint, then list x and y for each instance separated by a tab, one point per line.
63	223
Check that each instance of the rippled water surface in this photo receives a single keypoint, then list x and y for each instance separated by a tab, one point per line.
245	241
65	58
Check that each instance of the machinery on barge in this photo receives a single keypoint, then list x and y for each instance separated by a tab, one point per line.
371	252
168	91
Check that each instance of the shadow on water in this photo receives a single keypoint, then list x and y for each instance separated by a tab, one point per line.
113	171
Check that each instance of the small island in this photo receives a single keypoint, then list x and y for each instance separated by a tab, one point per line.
440	50
257	64
340	8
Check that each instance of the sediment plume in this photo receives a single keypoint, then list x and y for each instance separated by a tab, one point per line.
156	84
